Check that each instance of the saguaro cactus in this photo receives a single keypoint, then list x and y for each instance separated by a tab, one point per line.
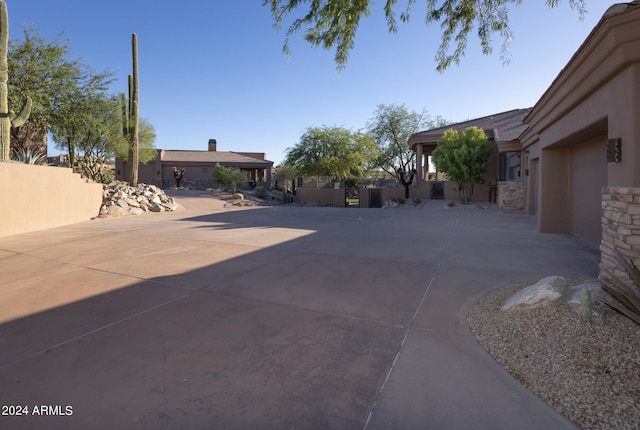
7	119
130	115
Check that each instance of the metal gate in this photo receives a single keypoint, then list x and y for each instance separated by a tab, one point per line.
437	190
375	198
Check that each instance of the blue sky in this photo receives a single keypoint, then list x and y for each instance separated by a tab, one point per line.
215	69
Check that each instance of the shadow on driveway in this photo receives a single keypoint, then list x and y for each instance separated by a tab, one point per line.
268	318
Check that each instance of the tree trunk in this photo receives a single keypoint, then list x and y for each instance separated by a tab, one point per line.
406	182
465	192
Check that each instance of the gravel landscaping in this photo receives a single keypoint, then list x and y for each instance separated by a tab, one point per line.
589	372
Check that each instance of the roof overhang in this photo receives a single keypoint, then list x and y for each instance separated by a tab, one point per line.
509	146
612	46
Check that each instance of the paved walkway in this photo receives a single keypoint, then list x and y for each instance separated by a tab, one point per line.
268	318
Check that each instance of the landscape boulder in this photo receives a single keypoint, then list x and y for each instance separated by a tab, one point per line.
544	291
554	290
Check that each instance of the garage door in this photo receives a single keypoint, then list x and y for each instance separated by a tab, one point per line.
587	176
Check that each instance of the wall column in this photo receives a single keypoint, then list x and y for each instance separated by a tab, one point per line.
420	175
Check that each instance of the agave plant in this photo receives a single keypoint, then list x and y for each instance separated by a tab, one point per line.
27	156
623	298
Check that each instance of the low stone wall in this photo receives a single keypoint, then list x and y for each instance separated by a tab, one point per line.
511	195
40	197
620	230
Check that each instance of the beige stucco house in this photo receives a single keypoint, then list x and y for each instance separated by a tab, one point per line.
592	107
198	167
579	146
582	144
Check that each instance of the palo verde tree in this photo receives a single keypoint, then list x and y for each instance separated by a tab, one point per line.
96	136
287	173
7	119
59	86
229	176
146	139
462	157
71	120
332	151
333	23
391	127
100	138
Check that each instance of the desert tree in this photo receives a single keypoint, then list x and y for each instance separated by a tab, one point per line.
45	70
462	157
100	139
229	176
333	23
332	151
69	120
391	127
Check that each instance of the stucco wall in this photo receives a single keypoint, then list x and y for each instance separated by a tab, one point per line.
421	192
334	197
480	192
594	98
40	197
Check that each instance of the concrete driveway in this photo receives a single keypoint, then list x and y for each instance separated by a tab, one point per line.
267	318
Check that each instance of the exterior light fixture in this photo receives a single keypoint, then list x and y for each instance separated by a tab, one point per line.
614	150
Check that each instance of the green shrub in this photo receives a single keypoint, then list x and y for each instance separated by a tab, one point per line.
261	192
229	176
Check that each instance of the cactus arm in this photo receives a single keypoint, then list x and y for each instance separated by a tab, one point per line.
125	116
23	116
6	120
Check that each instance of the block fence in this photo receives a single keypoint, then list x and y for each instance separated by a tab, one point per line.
40	197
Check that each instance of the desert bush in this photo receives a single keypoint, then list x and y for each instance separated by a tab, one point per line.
261	192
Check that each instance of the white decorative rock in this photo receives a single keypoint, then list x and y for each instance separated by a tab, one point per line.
544	291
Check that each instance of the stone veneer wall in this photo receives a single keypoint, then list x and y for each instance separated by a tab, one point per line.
510	195
620	230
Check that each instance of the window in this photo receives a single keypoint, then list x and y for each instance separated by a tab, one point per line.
510	166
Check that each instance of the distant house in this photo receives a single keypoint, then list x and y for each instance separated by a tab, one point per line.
198	167
575	155
58	160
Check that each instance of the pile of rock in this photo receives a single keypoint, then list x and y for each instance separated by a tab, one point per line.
394	203
390	204
120	199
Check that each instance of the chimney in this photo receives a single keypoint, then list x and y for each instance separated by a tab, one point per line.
212	145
